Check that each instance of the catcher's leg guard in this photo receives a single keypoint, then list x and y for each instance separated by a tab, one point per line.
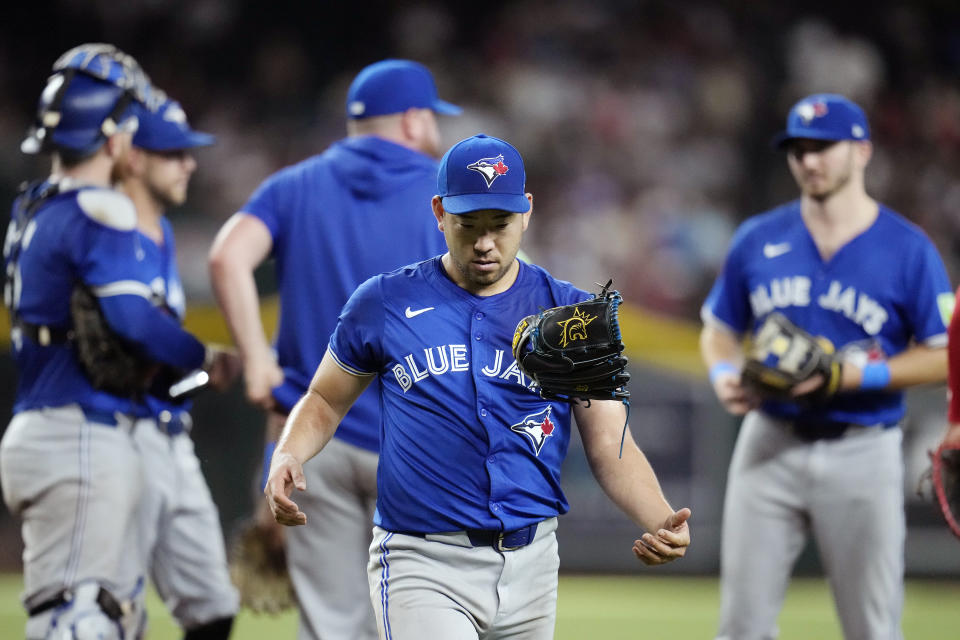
218	629
86	612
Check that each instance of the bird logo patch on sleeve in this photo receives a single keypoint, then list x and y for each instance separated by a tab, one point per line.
537	427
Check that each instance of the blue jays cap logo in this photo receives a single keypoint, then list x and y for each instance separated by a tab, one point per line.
537	427
810	110
489	168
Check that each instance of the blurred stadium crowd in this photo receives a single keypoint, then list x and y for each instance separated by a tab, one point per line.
645	125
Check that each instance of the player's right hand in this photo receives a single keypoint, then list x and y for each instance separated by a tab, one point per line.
224	366
286	473
953	434
734	397
669	543
261	376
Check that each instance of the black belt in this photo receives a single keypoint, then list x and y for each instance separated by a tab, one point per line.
42	334
499	540
108	604
502	540
108	418
811	431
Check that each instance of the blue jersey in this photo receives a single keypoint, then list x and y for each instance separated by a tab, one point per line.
168	295
465	442
881	290
360	208
83	236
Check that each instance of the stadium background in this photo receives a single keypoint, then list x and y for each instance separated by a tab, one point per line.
645	128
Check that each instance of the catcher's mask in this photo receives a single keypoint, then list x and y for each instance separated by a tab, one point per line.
88	98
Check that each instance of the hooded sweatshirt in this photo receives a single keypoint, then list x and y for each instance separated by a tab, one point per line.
360	208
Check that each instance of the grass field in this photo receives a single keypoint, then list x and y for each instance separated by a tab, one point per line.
614	608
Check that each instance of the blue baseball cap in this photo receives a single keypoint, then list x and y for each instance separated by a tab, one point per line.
482	172
824	116
166	129
393	86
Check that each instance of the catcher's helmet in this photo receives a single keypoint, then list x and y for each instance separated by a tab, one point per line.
88	98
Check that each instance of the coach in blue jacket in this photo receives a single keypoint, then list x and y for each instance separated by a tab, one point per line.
359	208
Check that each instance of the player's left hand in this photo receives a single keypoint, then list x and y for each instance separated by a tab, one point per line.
286	473
670	542
734	397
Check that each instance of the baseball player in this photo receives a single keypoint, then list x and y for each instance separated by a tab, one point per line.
68	465
469	478
953	381
846	268
180	538
359	208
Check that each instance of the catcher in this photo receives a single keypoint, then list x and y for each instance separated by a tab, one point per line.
470	453
69	467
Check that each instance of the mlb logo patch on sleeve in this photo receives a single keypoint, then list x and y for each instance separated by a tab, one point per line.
945	303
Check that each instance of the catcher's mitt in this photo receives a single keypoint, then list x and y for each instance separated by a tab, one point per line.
946	483
575	351
258	568
782	355
109	363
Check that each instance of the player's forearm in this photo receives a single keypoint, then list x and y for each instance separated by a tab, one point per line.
311	424
918	365
718	345
236	292
315	417
156	334
629	481
240	246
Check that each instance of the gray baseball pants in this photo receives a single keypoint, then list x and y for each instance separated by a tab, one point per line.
441	586
847	492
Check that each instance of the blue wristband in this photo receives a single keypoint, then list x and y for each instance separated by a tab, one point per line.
876	375
267	456
721	368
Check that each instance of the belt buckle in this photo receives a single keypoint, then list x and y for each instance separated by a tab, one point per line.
499	546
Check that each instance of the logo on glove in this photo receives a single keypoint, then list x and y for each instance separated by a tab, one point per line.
575	327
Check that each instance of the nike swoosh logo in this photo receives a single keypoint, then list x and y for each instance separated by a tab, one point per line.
774	250
414	314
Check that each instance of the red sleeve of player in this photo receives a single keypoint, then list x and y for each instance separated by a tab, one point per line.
953	372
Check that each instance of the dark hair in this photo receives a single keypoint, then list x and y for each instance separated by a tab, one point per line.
69	158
